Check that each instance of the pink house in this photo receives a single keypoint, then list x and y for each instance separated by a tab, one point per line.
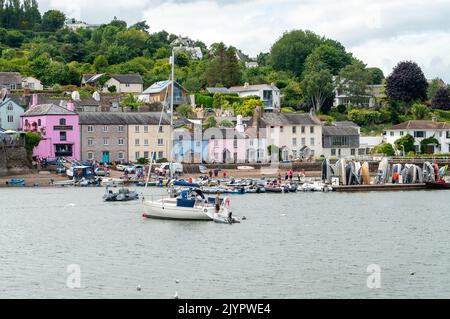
224	145
58	126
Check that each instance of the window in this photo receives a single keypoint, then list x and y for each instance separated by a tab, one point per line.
10	118
120	156
161	129
160	142
294	154
448	134
120	129
137	155
294	141
90	156
62	121
105	129
127	85
340	141
294	130
198	144
90	141
402	133
235	142
10	107
146	142
146	156
136	142
216	143
145	129
419	134
62	136
311	130
392	133
251	143
303	130
333	152
160	155
90	128
303	141
120	141
281	129
105	141
353	152
136	129
39	122
312	141
362	151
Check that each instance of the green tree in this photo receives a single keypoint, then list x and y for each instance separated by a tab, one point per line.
224	67
100	64
53	20
327	56
376	76
32	139
385	149
426	142
210	122
353	81
226	123
317	87
420	111
185	111
405	144
289	53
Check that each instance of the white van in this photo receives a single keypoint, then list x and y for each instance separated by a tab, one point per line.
164	168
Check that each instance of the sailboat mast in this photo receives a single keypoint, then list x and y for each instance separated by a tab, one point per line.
171	113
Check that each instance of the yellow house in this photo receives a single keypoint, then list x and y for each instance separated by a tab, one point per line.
144	137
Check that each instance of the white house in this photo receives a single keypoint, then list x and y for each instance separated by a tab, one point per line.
297	135
10	113
32	83
421	130
269	93
125	83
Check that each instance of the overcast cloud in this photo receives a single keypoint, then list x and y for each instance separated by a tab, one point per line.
381	34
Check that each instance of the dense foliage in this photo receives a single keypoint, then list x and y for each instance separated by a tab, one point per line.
407	83
441	99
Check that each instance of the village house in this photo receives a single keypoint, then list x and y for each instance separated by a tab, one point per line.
32	83
269	94
104	137
145	138
421	130
340	139
369	100
10	80
368	143
10	113
296	135
224	145
125	83
58	126
161	91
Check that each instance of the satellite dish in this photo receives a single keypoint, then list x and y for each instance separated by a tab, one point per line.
75	96
96	96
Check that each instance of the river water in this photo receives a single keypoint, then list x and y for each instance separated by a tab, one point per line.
305	245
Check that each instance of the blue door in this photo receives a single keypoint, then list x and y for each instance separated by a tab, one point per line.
105	158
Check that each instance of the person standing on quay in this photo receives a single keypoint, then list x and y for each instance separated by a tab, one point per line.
291	174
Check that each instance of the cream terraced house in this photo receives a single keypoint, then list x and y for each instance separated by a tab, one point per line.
145	137
297	135
125	83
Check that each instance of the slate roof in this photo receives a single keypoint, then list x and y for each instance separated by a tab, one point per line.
48	109
340	131
286	119
218	90
128	78
255	87
120	118
10	78
160	86
421	125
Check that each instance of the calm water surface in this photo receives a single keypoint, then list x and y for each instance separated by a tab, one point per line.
292	246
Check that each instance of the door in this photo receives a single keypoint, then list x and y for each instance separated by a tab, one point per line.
105	157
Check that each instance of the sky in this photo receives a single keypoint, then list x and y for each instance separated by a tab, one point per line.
381	34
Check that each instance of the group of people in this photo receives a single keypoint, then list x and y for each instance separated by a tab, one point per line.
289	176
215	173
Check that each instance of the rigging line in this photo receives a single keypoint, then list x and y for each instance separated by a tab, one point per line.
154	148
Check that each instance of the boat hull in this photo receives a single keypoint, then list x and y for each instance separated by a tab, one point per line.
161	211
436	185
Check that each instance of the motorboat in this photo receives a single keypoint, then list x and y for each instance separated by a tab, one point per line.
112	182
315	187
188	205
123	195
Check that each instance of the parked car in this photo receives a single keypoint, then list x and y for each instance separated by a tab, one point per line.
164	168
101	172
131	169
121	167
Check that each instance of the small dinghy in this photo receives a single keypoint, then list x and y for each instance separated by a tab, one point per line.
225	217
124	195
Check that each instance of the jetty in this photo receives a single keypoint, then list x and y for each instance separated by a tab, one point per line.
379	188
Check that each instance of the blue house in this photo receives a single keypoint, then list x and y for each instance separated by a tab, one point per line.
10	113
186	148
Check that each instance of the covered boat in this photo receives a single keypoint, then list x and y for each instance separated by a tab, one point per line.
123	195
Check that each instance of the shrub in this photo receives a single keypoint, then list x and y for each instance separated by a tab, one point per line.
341	108
287	110
364	117
226	123
428	141
385	149
406	144
205	100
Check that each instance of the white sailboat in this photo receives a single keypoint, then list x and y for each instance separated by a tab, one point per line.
187	206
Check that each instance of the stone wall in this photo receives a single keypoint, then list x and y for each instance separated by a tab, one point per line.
13	160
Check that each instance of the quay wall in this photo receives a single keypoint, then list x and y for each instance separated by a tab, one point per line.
13	160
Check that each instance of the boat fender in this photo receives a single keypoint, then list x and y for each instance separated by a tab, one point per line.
205	210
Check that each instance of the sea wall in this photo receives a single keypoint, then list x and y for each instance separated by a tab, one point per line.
13	160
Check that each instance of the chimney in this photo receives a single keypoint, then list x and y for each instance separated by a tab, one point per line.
70	106
34	100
